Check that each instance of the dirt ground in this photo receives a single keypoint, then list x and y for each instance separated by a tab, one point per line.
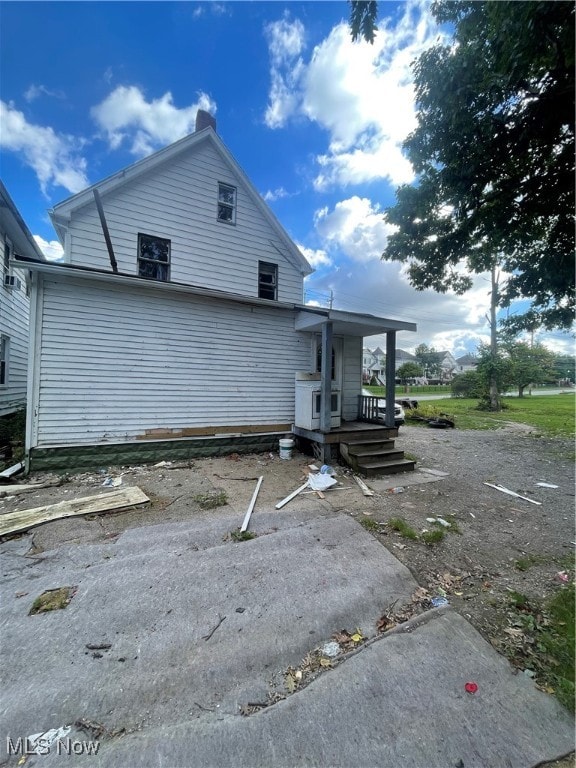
498	544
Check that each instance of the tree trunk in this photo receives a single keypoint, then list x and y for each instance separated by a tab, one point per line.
495	404
521	390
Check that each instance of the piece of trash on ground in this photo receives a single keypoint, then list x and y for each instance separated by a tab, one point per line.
321	482
52	600
563	577
112	482
325	469
502	489
40	743
398	489
443	522
547	485
470	687
438	602
330	649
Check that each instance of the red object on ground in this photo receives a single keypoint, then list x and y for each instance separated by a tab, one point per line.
471	687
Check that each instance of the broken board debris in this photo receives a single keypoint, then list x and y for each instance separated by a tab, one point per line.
251	506
101	502
501	488
363	487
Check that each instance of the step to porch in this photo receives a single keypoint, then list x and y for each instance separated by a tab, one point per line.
375	457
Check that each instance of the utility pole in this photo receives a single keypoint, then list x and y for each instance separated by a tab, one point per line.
331	298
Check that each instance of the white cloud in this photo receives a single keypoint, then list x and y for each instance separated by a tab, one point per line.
34	92
361	94
275	194
356	227
54	157
125	115
285	44
316	258
50	248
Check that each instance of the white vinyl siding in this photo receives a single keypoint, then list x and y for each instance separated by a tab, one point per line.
351	376
178	201
14	317
116	362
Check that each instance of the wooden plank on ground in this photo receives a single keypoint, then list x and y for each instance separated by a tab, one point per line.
14	522
13	490
363	487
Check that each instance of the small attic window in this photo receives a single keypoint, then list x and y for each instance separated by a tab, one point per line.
267	281
227	203
153	257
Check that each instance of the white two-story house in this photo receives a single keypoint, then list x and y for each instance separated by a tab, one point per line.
172	267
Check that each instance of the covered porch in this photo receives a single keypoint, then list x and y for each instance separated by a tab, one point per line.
328	433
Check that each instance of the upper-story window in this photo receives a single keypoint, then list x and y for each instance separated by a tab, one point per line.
153	257
227	203
267	281
4	346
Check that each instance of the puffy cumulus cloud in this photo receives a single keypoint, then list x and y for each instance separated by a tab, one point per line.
126	116
316	258
355	227
361	94
54	157
50	248
285	44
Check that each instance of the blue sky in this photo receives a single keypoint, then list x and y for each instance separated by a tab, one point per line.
315	121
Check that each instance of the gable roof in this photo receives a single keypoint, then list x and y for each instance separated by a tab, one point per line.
467	360
15	227
61	213
401	354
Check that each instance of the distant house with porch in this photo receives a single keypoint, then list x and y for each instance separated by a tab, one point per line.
170	266
466	363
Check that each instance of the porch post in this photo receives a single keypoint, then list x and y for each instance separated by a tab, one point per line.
326	378
390	376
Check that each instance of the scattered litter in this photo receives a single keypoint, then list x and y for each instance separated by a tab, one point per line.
529	673
20	594
501	488
398	489
321	482
438	602
103	502
40	743
364	488
163	464
251	506
98	646
13	490
547	485
331	649
472	515
399	546
470	687
313	468
563	577
52	600
443	523
327	470
430	519
112	482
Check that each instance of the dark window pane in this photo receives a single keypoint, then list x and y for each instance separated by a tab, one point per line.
154	248
226	195
225	213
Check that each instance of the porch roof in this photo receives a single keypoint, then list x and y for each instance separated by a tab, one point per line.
348	323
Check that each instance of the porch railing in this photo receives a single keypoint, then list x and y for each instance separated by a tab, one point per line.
368	408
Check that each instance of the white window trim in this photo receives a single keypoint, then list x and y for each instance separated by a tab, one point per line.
229	206
5	359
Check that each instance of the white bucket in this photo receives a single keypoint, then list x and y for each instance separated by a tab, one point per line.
286	448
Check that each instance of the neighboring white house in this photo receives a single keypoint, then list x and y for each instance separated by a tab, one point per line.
15	238
373	365
448	366
466	363
170	335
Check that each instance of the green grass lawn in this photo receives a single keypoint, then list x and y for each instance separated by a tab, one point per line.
549	414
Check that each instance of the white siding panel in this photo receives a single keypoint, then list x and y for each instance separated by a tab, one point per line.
117	362
178	201
14	319
351	376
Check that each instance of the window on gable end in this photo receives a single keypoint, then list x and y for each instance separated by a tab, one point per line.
267	281
227	203
153	257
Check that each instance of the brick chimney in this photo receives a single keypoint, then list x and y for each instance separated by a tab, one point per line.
204	119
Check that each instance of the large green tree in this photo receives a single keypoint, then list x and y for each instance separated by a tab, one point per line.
429	360
494	155
530	364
